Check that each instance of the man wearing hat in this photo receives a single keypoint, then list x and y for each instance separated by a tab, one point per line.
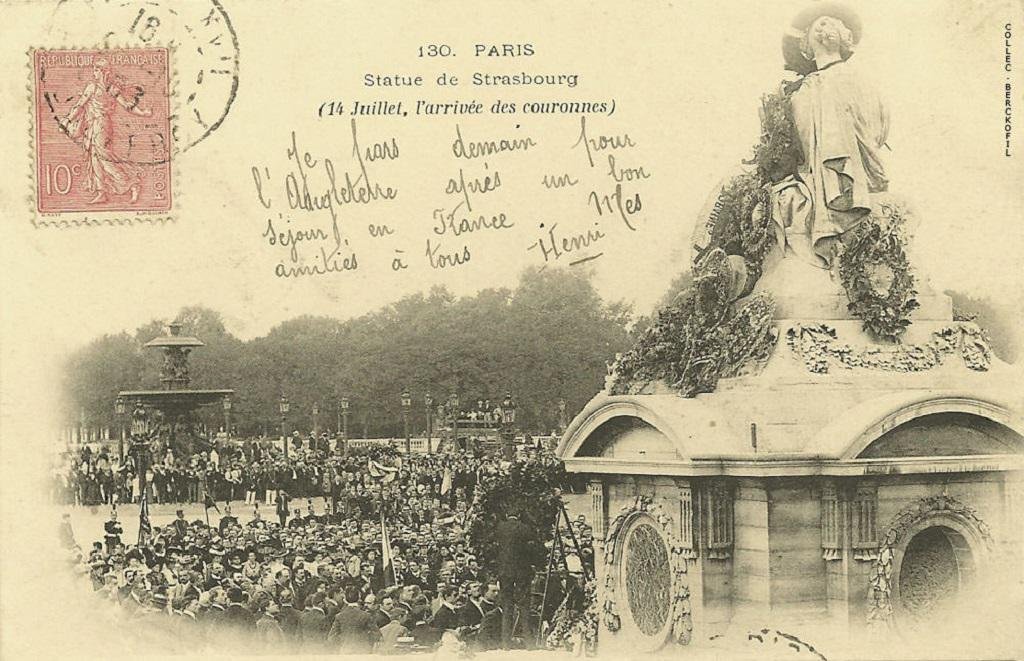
519	552
179	526
227	519
282	506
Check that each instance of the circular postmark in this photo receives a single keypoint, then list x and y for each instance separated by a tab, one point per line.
204	42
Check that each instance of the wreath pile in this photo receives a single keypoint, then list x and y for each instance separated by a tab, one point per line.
701	336
740	222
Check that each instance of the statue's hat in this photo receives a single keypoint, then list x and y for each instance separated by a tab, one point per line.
794	58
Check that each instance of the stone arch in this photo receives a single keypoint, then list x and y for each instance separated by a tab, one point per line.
608	417
968	536
641	541
876	419
946	433
627	436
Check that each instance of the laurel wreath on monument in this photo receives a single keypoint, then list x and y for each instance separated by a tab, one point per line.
701	337
875	272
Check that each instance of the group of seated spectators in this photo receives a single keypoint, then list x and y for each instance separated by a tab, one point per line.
321	581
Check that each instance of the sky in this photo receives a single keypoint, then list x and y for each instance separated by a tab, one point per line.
702	78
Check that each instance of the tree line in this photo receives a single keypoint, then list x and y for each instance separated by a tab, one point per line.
546	339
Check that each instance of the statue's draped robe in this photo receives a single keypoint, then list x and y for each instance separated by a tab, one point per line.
842	125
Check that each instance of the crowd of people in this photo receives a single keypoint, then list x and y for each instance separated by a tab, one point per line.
385	566
254	471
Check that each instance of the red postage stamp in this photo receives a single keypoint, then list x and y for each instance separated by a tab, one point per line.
103	141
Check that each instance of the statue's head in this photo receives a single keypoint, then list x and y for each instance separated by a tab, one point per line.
827	34
823	28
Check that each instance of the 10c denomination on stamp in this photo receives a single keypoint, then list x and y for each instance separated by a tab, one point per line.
103	140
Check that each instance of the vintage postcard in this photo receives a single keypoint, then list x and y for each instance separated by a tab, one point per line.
526	330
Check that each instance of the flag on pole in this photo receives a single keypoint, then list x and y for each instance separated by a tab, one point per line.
145	529
390	576
446	481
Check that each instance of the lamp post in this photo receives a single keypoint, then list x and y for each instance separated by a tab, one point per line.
316	426
428	401
139	448
119	409
344	427
283	406
337	425
406	405
227	417
453	403
508	419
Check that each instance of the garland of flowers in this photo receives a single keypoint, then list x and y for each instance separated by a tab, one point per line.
880	588
872	251
818	346
681	612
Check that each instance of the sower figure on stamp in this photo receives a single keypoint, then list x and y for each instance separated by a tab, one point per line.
92	120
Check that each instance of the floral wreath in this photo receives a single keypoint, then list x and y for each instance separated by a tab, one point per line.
682	622
571	627
876	274
880	610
